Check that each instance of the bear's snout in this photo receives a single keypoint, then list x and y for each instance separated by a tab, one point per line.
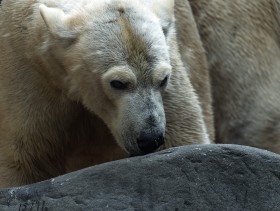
149	142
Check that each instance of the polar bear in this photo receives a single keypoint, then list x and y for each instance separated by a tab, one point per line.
242	41
89	81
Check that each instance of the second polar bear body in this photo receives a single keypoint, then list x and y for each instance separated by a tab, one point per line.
241	40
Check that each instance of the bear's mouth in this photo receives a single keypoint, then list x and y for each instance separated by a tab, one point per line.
141	154
133	155
137	154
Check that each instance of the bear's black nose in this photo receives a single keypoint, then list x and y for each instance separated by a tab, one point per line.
149	142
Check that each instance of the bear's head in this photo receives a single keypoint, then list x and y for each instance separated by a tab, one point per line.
116	57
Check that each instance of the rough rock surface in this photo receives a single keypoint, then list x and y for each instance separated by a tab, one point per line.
204	177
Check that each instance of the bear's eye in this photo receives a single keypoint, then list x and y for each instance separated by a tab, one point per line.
118	85
164	81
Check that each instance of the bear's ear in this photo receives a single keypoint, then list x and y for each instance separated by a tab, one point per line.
164	10
57	22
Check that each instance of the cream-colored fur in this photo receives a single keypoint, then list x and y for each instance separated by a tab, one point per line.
58	107
193	56
242	42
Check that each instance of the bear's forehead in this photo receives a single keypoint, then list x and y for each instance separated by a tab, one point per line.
124	37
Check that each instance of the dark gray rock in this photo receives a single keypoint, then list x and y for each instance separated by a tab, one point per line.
204	177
